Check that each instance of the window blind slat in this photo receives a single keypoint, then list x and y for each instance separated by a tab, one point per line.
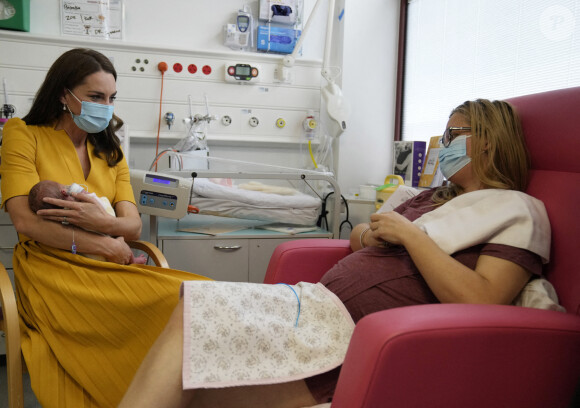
459	50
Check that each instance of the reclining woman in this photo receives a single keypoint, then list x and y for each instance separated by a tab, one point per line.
479	239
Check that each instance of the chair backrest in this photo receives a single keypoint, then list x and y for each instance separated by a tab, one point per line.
551	124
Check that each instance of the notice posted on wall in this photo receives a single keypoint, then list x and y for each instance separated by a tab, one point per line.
93	18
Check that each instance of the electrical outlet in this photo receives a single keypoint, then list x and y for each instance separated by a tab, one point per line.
254	121
226	120
139	64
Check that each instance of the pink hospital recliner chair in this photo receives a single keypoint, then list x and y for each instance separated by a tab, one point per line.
476	356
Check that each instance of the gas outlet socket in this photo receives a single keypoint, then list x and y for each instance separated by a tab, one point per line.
254	122
226	120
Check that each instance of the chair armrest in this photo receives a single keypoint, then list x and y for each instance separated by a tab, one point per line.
9	324
305	260
151	250
474	355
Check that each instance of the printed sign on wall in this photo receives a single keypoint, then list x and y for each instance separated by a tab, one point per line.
93	18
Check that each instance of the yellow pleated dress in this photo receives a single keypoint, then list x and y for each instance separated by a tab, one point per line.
86	325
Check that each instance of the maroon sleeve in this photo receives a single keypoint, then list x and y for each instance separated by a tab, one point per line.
522	257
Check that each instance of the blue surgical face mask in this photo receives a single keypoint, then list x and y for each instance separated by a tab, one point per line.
454	157
94	117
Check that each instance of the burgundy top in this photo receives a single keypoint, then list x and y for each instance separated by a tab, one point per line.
376	278
394	272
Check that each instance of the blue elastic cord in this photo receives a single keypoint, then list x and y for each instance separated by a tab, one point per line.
297	298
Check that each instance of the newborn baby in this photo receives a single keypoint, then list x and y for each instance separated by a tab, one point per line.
50	188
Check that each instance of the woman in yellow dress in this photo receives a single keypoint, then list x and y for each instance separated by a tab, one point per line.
86	324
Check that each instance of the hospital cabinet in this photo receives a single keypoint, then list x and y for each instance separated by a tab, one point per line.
240	254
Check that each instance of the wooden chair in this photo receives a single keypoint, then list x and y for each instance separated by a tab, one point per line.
9	324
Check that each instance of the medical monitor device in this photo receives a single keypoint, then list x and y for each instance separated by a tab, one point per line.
236	72
161	194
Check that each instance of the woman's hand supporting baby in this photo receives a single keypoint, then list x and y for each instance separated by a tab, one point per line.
120	252
86	212
108	232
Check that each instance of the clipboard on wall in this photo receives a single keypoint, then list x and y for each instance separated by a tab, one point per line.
431	176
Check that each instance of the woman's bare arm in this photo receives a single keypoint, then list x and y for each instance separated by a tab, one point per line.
493	280
88	214
57	235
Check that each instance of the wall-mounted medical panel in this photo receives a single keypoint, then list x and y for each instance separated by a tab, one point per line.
193	82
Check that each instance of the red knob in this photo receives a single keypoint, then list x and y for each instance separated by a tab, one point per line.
162	66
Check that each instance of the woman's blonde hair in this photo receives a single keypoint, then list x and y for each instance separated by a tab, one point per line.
499	158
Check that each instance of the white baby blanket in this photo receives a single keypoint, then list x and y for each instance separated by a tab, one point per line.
490	216
206	188
244	333
500	217
539	294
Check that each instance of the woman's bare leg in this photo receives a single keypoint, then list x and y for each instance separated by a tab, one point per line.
285	395
158	381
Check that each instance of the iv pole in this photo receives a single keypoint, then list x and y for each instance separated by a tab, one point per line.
338	109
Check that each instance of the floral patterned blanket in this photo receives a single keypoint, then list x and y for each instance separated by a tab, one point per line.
246	334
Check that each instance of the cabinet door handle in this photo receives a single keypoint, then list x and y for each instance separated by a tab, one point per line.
227	248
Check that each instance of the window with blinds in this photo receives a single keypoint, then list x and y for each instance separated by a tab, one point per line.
458	50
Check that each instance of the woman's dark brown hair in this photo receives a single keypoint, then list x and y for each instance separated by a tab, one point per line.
67	72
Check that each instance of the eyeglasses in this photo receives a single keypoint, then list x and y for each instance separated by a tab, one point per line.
448	135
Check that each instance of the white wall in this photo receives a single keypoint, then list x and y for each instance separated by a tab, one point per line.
368	79
369	82
186	24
